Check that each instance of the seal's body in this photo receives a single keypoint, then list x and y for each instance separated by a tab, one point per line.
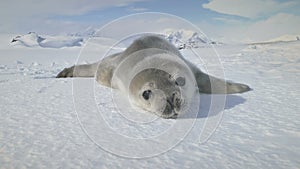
155	75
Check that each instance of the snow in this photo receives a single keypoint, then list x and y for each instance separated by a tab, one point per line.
39	126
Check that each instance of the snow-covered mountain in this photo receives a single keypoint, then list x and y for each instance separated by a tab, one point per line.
182	39
281	39
34	40
86	33
285	38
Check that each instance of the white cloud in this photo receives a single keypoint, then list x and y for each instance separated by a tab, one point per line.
14	11
269	19
136	9
248	8
147	23
277	25
66	7
142	23
262	30
228	20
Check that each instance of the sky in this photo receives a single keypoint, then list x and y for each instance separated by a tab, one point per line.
228	20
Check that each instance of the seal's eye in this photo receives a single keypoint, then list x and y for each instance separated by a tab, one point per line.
180	81
146	94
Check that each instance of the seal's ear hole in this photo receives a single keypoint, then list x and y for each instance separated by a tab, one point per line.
146	94
180	81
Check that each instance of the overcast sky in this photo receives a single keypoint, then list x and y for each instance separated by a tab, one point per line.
243	20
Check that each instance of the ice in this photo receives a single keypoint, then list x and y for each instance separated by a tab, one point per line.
259	129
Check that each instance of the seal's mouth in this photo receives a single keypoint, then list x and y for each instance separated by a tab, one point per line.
169	111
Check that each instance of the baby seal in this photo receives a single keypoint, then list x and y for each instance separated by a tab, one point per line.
155	76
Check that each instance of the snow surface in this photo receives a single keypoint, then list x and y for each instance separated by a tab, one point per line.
259	129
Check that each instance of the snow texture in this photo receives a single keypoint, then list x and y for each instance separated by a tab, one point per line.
259	129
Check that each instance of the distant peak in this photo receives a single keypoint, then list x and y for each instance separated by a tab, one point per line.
188	39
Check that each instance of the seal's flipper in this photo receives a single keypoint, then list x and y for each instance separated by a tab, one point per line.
87	70
212	85
67	72
102	70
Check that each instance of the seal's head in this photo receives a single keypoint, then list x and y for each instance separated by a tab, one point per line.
157	91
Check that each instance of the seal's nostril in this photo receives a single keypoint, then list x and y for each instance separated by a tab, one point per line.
146	94
177	102
171	104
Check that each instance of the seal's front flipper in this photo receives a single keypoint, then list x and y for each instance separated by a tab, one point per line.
67	72
212	85
87	70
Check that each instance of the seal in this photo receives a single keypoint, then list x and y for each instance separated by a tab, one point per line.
155	76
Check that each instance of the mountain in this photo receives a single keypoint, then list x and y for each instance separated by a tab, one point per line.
86	33
181	39
280	39
176	38
29	40
285	38
187	39
34	40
